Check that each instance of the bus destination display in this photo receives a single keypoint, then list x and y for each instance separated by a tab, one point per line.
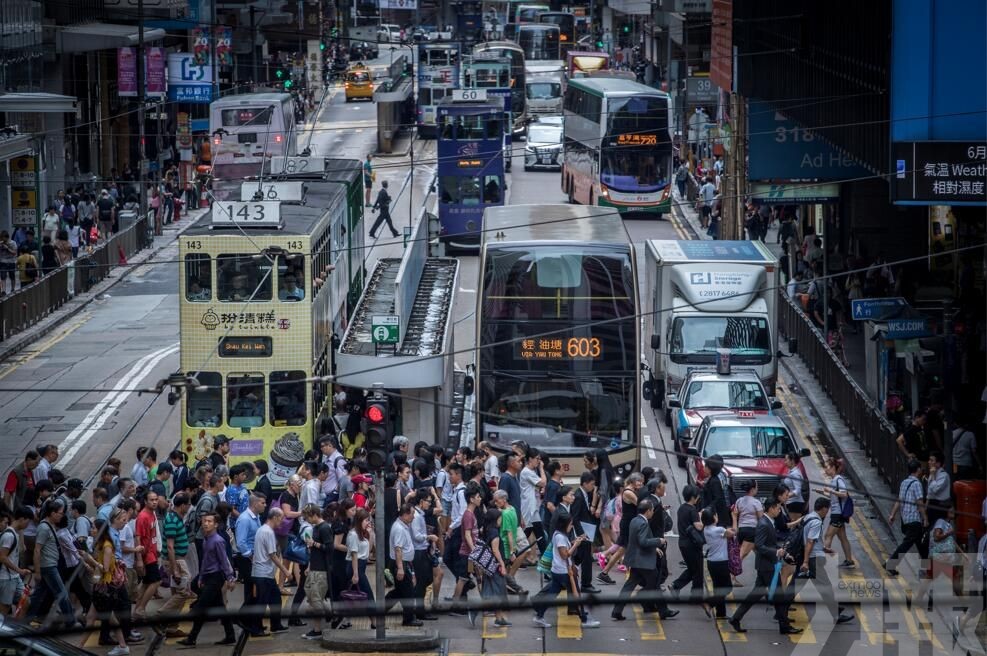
571	348
637	140
245	347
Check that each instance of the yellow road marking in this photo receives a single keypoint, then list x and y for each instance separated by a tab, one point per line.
567	626
727	634
642	624
491	631
12	365
801	619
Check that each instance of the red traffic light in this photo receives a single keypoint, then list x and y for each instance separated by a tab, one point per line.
376	414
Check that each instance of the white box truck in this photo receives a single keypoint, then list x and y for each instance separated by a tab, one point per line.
702	296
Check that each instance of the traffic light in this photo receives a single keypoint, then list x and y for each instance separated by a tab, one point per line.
599	44
322	45
288	83
379	430
626	28
280	74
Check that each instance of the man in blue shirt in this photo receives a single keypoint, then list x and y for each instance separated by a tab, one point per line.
236	494
913	517
246	530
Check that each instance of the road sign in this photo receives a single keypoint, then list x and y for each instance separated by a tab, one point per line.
25	199
22	172
910	328
877	309
385	328
24	192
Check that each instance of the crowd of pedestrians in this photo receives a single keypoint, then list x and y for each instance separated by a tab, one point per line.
190	533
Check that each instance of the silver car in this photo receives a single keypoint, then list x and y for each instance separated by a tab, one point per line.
543	148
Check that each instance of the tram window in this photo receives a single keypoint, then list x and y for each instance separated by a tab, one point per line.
287	398
198	277
291	277
204	408
469	191
491	189
450	188
425	96
245	400
240	275
495	128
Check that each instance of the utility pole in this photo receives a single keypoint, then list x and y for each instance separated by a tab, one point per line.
253	45
212	49
142	164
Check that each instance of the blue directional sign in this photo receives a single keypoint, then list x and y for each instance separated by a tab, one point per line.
910	328
877	309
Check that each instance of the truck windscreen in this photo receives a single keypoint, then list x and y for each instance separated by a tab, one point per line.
694	339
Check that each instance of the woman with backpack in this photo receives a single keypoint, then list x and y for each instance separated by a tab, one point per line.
842	510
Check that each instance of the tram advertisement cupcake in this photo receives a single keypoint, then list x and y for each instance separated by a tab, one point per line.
286	457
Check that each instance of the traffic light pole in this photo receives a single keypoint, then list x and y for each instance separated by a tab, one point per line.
380	529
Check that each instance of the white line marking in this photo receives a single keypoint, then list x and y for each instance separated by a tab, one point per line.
467	291
651	447
644	422
105	409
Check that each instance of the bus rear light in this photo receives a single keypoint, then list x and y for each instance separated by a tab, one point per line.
277	138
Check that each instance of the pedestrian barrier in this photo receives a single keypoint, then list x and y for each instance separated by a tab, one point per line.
29	305
866	421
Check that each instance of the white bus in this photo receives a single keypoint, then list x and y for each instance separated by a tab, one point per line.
245	131
617	146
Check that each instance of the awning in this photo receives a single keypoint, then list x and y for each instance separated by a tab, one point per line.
15	147
38	103
102	36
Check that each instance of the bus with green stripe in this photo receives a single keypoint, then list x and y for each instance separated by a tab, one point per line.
617	146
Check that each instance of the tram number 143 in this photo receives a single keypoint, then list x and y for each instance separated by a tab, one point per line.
254	213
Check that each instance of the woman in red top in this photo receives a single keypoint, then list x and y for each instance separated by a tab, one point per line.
361	493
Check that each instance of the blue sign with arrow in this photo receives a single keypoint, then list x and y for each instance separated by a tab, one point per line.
877	309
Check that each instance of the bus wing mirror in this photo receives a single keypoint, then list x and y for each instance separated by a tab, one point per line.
805	453
656	342
468	386
776	405
692	451
673	402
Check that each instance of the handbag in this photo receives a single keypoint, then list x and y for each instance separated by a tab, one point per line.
483	557
944	551
544	565
295	550
284	528
353	595
734	562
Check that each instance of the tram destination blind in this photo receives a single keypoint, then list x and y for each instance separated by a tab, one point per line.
569	348
245	347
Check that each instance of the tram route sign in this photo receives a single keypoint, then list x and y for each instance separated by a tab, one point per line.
469	95
297	165
265	213
285	190
385	328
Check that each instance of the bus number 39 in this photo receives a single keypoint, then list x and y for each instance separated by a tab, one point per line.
583	347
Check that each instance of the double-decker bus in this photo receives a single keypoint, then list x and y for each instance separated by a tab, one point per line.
539	42
528	13
471	166
567	27
493	75
258	307
519	100
558	334
245	131
617	146
438	74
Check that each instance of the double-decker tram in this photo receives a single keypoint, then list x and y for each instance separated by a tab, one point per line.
263	287
439	67
558	334
246	130
493	74
519	99
567	27
471	164
617	145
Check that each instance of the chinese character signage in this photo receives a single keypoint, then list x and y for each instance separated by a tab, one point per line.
187	81
572	348
127	72
939	172
637	139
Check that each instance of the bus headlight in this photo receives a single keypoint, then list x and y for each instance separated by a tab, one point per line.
604	192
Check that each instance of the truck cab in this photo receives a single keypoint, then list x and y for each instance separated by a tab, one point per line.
753	447
708	391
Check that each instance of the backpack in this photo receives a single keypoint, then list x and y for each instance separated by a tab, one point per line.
795	544
846	506
201	509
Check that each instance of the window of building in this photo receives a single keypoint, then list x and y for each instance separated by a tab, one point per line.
287	398
243	277
291	277
204	407
198	277
245	400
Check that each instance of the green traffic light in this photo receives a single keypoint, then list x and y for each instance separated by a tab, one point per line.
627	28
288	84
279	73
599	44
322	46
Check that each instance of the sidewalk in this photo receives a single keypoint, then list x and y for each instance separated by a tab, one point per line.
79	302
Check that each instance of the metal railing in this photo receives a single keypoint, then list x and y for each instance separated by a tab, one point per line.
863	417
29	305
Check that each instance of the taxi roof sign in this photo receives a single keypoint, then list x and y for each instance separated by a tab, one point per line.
746	414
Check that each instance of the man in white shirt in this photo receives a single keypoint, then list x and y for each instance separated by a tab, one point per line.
422	542
707	193
401	552
265	559
336	470
312	488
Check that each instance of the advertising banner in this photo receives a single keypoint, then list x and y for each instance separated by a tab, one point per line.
939	172
127	72
188	81
154	65
200	46
224	46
